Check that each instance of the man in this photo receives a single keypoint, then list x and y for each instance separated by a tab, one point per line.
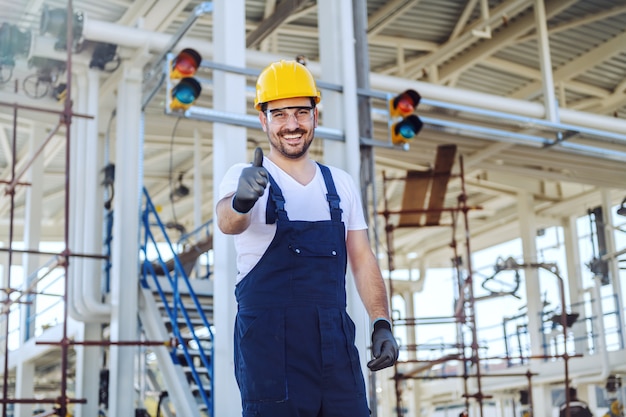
294	341
577	408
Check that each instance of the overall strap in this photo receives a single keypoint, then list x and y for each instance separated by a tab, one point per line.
332	196
275	203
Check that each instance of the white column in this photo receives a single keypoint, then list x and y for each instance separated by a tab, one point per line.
614	273
32	237
88	362
229	147
25	372
528	231
414	399
542	400
337	59
125	249
574	279
411	336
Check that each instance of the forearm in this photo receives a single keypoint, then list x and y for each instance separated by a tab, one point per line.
372	290
367	276
230	221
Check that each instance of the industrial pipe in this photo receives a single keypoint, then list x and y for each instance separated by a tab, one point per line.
99	31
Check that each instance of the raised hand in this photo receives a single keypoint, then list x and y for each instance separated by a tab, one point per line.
252	183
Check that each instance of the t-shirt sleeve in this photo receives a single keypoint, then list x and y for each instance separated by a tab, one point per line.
357	217
353	215
230	181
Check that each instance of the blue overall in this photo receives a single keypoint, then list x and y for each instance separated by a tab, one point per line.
294	341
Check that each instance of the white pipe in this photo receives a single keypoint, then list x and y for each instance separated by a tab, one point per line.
497	103
93	205
197	187
541	22
86	307
76	168
95	30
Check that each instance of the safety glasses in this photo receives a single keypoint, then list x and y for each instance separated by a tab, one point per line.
302	114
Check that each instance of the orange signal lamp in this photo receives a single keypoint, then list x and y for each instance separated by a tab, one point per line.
185	64
406	129
185	93
404	104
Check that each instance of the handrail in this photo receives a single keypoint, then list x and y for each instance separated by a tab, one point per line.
178	306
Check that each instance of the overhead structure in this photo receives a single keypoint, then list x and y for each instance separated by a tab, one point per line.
529	93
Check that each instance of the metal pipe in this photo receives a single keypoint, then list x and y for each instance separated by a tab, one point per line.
5	376
579	121
166	343
95	30
549	99
67	119
84	299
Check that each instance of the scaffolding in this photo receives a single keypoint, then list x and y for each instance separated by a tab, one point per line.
423	204
57	269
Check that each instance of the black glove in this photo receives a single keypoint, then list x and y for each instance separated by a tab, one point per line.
384	347
251	185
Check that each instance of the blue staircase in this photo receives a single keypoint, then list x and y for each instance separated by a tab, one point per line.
177	308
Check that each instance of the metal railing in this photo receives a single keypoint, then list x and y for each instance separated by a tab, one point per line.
174	306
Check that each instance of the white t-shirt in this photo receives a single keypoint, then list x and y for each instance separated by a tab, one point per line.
302	202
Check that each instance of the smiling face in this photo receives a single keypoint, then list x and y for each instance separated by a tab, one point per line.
291	129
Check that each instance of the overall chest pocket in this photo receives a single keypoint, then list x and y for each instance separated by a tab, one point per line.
317	271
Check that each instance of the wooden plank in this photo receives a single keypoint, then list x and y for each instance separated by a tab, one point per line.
187	258
415	189
444	161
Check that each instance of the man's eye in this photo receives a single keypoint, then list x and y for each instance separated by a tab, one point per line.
279	115
304	112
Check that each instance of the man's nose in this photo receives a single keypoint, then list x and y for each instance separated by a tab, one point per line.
292	121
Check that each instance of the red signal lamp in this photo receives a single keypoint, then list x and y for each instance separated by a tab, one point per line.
185	64
404	104
185	93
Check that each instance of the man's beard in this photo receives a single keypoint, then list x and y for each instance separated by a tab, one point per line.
288	151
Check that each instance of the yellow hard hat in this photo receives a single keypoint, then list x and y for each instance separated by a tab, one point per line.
285	79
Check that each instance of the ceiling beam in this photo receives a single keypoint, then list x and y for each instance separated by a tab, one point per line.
136	10
579	65
378	40
387	14
462	21
534	74
283	11
505	37
449	49
267	43
578	22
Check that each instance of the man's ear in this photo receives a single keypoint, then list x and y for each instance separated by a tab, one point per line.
263	120
315	114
